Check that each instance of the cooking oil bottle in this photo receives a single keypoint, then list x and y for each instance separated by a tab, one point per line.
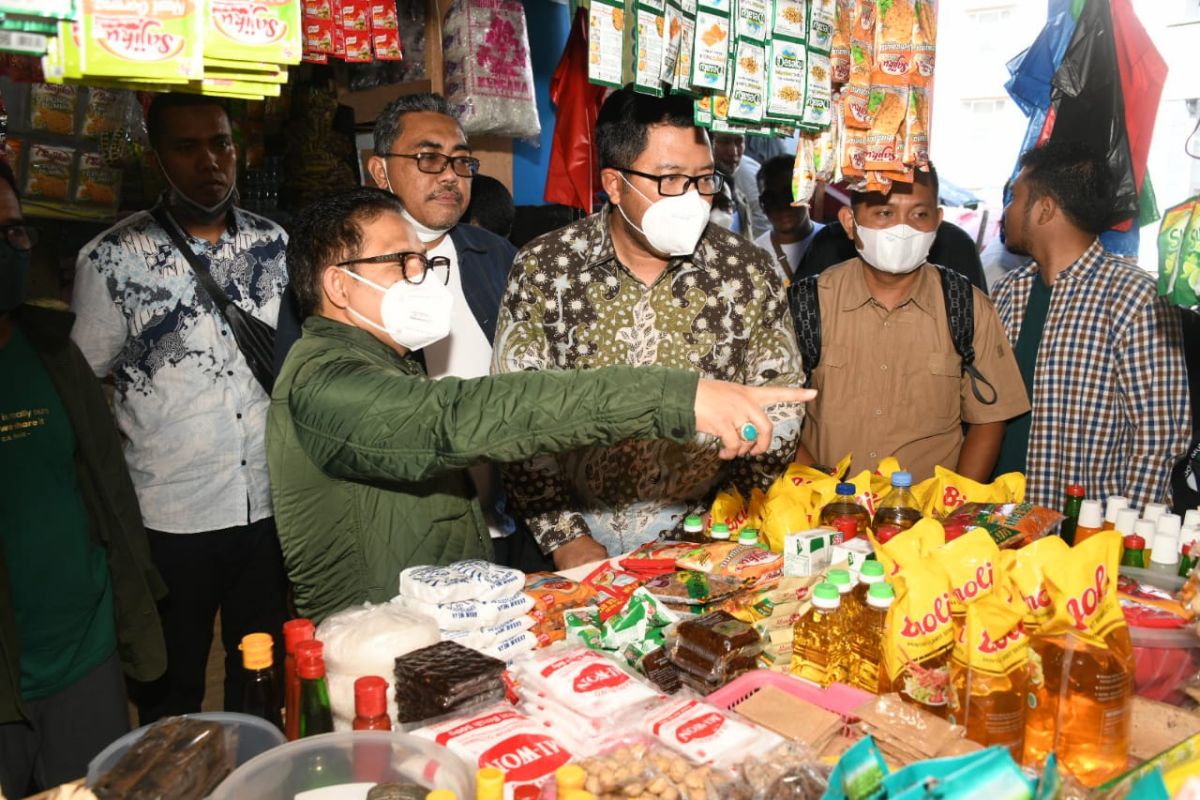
989	673
898	511
866	639
819	639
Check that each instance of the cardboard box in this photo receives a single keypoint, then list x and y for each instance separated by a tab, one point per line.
806	553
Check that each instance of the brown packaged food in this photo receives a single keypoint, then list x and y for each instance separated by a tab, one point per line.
177	757
791	717
713	670
442	677
658	669
718	633
691	587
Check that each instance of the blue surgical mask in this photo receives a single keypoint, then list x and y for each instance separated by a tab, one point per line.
14	275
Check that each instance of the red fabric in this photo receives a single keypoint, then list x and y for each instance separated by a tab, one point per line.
1143	73
573	175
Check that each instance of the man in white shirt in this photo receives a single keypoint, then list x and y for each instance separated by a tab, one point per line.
792	229
192	412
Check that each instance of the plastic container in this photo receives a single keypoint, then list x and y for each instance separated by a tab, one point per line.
898	511
255	736
332	759
1166	660
1114	504
837	697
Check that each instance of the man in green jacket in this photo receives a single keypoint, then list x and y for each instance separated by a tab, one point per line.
367	456
77	587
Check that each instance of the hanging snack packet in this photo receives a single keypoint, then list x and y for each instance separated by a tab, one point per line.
156	41
919	637
748	98
839	47
674	23
915	149
269	30
804	172
790	19
786	79
924	42
52	108
48	173
105	112
650	35
888	106
894	42
710	59
862	42
385	31
98	184
818	93
752	20
821	15
1083	709
606	32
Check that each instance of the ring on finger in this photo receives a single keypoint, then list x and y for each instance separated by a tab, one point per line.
748	432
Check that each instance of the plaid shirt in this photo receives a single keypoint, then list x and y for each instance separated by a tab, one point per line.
1110	391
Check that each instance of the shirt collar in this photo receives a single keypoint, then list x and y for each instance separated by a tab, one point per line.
350	335
924	293
1079	270
231	230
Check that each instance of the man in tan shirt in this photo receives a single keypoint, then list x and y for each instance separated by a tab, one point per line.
890	380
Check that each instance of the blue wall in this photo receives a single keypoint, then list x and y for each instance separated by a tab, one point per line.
549	23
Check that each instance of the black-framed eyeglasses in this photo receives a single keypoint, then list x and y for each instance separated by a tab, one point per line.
20	236
416	265
435	163
673	184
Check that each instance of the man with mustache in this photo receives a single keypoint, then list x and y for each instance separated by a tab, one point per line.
192	412
422	157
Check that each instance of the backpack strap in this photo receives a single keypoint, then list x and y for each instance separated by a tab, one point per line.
806	314
960	314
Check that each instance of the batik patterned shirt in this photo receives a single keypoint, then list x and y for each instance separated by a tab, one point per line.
192	413
1110	390
721	312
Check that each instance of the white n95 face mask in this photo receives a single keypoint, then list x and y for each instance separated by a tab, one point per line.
672	225
899	249
415	315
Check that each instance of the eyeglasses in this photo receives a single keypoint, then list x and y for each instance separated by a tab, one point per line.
435	163
416	265
20	236
672	185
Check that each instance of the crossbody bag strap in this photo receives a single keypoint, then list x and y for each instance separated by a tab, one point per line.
203	276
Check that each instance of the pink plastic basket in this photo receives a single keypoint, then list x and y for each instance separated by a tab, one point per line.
838	698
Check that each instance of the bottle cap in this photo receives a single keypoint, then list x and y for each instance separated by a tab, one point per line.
841	579
1145	529
871	572
693	523
1134	542
489	782
310	659
902	480
1189	535
1191	517
826	596
880	595
1075	490
1113	505
370	696
846	490
719	531
1126	519
1169	523
748	536
572	776
1091	514
296	631
1153	511
1166	549
257	652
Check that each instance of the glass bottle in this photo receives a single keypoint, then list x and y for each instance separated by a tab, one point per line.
260	694
315	714
1074	500
294	632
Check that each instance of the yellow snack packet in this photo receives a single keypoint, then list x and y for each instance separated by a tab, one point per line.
729	507
946	491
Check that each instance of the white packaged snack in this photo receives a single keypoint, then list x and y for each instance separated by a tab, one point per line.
527	750
705	734
489	640
511	646
583	681
462	580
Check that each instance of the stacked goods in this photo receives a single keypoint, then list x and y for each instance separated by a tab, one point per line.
636	635
552	594
476	604
712	650
445	678
354	31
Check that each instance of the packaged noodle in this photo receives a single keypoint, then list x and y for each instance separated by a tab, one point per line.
920	636
862	42
650	35
1082	708
48	174
839	48
893	42
156	41
924	42
106	111
269	30
888	107
821	15
52	108
97	184
606	31
988	666
915	144
946	491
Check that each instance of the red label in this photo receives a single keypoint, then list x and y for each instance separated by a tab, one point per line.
599	676
483	722
138	40
525	757
700	728
1082	608
931	622
249	23
975	586
986	645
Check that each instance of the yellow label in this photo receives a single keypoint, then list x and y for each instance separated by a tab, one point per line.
1027	568
729	508
908	547
946	491
1083	587
970	564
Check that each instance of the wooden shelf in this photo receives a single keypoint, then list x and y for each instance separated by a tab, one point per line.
367	103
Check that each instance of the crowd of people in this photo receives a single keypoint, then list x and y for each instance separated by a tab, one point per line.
440	395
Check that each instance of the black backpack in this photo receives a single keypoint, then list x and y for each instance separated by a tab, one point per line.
960	313
1185	478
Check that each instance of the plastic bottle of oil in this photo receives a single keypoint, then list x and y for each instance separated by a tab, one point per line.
845	586
897	512
870	573
866	639
990	677
845	514
819	639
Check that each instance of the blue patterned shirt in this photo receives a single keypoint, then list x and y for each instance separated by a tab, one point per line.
1110	391
193	414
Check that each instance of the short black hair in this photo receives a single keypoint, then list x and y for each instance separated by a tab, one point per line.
625	118
330	231
775	168
1077	177
163	104
388	125
8	176
927	177
491	206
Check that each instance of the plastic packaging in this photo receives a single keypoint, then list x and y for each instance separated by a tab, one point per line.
920	636
462	580
705	734
435	680
845	514
584	682
898	511
866	640
178	757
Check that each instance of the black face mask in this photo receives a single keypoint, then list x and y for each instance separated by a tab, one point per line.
187	208
14	273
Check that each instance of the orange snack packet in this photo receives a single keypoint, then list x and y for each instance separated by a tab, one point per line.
746	563
894	42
